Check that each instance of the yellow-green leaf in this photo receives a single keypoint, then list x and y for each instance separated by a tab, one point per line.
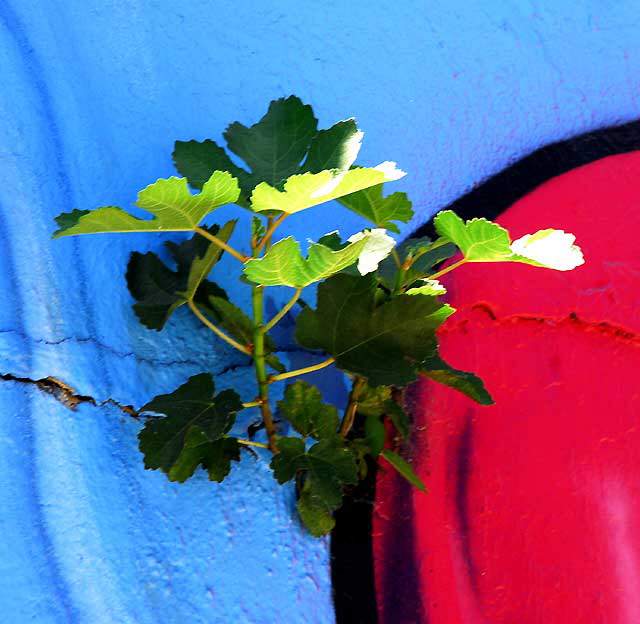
170	202
310	189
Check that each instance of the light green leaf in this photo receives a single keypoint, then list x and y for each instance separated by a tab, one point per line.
381	211
283	264
310	189
479	240
202	265
404	468
169	200
427	287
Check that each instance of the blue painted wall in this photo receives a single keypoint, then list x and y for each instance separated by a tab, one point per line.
93	95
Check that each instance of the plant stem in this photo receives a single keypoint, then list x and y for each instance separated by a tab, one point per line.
396	258
260	364
250	443
301	371
217	330
266	239
455	265
214	239
252	404
357	387
282	312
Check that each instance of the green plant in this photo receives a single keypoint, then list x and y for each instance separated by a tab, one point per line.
376	316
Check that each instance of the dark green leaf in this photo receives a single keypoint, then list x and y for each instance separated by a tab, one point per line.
404	468
398	417
335	148
427	255
375	434
240	326
326	468
274	147
290	459
67	220
191	432
467	383
275	363
197	161
154	286
381	211
315	514
385	344
202	264
304	409
372	400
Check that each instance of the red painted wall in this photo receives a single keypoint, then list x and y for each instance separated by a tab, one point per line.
533	510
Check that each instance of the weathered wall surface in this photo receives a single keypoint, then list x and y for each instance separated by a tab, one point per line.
94	93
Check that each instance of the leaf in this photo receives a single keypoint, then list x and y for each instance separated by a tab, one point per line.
156	287
328	466
423	253
274	147
404	468
284	265
370	204
197	161
170	202
375	434
427	287
467	383
386	343
191	434
398	417
479	240
310	189
215	457
335	148
308	414
202	265
372	400
315	514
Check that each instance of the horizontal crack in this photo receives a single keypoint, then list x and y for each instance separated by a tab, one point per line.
572	319
66	394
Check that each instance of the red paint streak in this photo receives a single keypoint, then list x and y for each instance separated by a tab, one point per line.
533	510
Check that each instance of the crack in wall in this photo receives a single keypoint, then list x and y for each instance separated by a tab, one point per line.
67	395
572	319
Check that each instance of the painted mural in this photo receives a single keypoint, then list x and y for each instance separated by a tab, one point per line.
94	95
532	510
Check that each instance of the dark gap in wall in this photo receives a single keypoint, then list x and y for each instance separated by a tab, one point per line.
352	570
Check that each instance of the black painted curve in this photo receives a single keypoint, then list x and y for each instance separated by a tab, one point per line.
352	570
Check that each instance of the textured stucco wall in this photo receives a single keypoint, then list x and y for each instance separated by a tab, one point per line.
94	93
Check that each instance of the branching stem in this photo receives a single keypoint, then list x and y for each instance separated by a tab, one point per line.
261	366
214	239
266	239
282	312
455	265
217	330
301	371
251	443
